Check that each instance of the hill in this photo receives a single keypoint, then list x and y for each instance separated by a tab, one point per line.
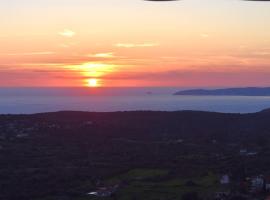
249	91
134	155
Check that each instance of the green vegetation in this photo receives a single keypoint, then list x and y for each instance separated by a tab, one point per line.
137	174
153	184
131	155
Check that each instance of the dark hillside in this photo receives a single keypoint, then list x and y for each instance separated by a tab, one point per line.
65	155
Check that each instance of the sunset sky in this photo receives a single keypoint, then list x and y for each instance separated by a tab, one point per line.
134	43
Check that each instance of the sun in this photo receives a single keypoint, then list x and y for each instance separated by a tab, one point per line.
92	82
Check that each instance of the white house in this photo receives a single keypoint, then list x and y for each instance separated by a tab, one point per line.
225	179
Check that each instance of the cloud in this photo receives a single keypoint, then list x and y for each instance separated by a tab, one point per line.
30	53
67	33
175	78
262	53
204	35
132	45
102	55
68	45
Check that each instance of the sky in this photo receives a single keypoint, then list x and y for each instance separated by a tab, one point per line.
134	43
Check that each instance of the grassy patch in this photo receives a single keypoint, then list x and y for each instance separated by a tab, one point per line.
137	174
155	184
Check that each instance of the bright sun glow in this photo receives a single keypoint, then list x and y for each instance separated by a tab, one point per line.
92	82
94	69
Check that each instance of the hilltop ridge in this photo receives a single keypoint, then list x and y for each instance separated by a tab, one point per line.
246	91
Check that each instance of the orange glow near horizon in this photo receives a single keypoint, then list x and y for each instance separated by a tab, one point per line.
93	69
96	43
92	72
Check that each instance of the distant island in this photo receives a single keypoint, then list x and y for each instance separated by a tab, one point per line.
248	91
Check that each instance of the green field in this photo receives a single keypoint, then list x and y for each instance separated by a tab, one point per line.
157	184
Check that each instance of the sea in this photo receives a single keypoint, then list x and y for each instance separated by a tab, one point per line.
39	100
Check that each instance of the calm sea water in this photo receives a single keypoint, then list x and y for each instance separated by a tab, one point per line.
35	100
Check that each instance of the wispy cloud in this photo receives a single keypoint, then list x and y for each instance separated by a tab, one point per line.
175	78
67	33
102	55
30	53
204	35
262	53
133	45
68	45
92	69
